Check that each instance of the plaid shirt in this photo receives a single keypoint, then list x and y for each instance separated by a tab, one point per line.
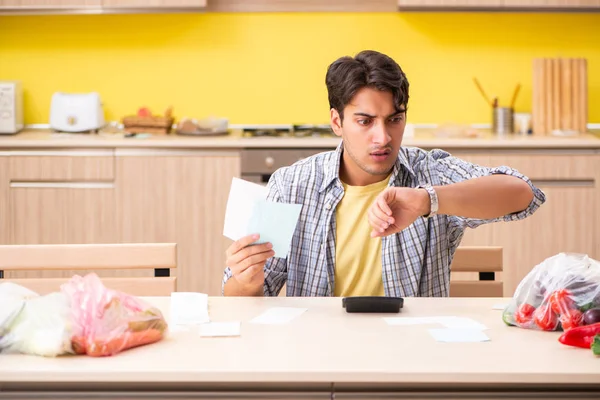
415	261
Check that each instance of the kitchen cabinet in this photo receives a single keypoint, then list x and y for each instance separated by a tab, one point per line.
178	196
80	165
49	4
149	4
60	197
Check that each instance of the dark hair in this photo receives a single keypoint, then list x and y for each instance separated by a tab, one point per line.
347	75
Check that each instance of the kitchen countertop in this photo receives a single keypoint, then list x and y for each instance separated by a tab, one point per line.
320	348
423	138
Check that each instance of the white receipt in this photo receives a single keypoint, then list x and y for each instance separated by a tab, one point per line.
454	335
220	329
278	315
188	308
446	321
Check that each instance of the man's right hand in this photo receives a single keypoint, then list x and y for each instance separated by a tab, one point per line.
246	261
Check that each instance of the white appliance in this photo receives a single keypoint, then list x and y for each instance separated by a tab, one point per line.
76	112
11	107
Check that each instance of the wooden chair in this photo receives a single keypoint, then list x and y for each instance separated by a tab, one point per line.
102	257
480	265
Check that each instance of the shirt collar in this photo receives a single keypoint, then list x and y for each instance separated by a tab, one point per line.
332	168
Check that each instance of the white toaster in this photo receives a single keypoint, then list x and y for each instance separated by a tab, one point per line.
76	112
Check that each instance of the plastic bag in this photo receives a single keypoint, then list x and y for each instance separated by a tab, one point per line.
560	293
85	317
106	322
12	301
41	327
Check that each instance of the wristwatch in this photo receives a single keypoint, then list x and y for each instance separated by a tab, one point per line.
433	198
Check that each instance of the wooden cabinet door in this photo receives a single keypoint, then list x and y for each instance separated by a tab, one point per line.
449	4
62	212
49	4
154	3
552	4
178	196
61	197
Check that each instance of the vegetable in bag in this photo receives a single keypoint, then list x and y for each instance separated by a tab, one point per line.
561	293
85	317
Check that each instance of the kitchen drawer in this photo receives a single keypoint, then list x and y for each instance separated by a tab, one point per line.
263	161
62	165
552	167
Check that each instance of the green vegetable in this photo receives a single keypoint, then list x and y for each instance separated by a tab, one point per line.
507	317
596	345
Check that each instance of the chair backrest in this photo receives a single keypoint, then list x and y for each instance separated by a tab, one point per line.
480	265
79	257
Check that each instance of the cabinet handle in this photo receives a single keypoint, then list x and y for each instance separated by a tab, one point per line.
63	185
60	153
269	161
590	183
175	152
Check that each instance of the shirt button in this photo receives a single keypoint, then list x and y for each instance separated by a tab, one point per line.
328	206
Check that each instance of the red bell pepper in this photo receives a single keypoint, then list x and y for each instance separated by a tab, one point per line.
583	336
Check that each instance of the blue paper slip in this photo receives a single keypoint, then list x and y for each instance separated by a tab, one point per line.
249	211
275	222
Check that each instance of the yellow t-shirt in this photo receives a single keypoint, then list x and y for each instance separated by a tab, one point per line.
357	254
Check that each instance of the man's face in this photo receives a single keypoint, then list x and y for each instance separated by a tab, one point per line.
372	133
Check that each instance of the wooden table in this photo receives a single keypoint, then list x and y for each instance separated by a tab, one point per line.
322	353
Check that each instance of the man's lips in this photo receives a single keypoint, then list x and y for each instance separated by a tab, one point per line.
381	152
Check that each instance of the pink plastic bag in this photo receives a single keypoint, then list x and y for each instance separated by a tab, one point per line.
106	322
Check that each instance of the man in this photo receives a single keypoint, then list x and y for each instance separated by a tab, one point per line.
376	219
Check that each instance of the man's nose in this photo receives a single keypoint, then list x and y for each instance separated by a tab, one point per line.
381	135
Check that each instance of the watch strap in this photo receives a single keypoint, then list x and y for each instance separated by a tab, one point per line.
434	205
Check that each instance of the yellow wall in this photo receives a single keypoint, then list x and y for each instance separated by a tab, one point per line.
270	68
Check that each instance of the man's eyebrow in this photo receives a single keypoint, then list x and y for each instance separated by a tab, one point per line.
362	114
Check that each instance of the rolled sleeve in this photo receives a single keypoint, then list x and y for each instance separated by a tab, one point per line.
539	197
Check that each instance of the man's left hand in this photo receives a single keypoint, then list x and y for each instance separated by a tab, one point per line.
396	208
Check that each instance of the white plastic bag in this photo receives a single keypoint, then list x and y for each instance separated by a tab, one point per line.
12	301
42	327
560	293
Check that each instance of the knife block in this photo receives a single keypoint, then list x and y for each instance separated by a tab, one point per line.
560	96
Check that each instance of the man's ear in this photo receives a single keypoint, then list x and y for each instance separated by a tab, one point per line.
336	122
